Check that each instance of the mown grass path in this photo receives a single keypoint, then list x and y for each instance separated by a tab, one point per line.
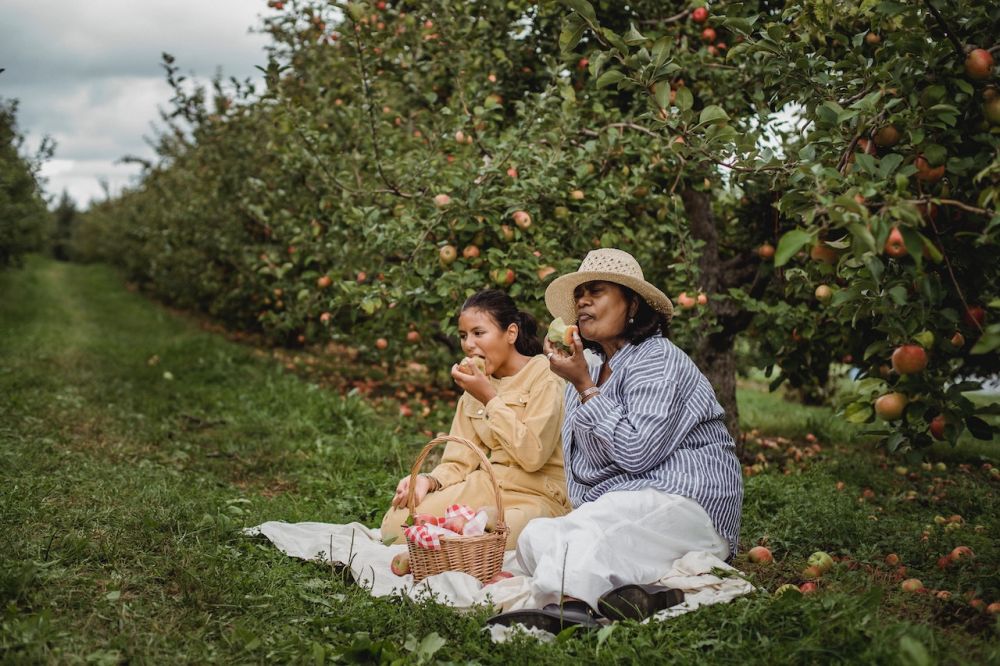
133	446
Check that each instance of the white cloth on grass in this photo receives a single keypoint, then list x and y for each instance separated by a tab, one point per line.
652	536
622	537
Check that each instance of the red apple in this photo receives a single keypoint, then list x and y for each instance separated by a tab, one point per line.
699	15
324	281
413	336
503	276
708	35
927	173
760	555
686	302
765	251
545	271
993	608
892	559
381	344
470	252
441	200
911	585
808	588
895	247
325	318
576	195
823	254
400	564
974	316
937	426
812	571
361	276
522	219
979	64
958	340
872	39
889	407
909	359
960	553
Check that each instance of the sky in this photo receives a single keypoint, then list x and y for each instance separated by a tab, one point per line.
88	75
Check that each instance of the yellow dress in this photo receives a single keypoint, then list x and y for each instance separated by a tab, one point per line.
519	432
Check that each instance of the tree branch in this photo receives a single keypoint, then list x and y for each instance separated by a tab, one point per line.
944	26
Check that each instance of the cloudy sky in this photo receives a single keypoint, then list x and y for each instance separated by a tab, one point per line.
88	74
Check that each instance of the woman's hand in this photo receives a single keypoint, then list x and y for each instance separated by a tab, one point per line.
571	367
471	380
421	488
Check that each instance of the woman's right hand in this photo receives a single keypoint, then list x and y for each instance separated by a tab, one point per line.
571	367
420	490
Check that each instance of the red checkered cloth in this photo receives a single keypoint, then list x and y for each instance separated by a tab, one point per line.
427	530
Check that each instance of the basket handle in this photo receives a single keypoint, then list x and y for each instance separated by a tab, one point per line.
484	463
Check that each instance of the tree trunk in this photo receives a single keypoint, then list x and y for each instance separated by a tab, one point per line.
714	354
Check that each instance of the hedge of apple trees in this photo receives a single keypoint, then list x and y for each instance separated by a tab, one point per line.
818	178
23	216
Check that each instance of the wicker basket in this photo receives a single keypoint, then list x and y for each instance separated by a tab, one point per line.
478	556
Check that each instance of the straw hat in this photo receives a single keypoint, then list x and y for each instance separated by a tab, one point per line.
606	264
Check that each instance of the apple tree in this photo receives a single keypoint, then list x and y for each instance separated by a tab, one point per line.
23	214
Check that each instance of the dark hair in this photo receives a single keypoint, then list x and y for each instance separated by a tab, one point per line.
504	312
646	322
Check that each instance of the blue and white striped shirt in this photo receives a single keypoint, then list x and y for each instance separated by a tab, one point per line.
656	424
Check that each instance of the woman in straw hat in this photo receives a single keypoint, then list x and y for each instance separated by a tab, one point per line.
651	470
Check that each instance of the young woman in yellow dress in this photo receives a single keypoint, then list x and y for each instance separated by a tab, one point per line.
512	410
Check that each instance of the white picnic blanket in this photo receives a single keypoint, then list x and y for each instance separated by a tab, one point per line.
360	548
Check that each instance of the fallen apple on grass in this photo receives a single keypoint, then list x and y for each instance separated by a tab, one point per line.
821	560
760	555
911	585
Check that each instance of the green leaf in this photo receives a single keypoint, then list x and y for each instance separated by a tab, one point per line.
583	8
913	653
610	77
661	51
572	32
661	91
979	428
858	412
740	24
897	294
431	643
684	99
789	244
888	164
712	113
633	37
863	236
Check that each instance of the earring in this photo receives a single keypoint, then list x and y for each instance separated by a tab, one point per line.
631	320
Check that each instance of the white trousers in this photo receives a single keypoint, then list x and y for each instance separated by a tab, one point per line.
622	537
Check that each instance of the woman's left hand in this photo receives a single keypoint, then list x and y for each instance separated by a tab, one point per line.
475	383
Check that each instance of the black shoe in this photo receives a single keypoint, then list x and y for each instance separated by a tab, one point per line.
552	618
637	602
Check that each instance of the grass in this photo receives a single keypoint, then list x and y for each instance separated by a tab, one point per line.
134	446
